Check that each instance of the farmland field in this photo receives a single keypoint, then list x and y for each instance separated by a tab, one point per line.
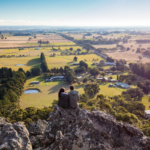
36	52
128	56
49	92
34	61
105	46
30	57
23	41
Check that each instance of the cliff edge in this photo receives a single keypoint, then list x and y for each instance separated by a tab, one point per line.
73	129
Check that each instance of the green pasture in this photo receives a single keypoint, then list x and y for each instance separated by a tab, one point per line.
34	61
110	91
61	61
49	92
68	47
59	44
146	102
13	61
34	52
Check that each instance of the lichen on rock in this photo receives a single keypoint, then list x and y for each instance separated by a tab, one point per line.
13	136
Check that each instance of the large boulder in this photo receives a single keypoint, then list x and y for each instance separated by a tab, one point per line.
38	128
36	131
73	129
13	136
78	129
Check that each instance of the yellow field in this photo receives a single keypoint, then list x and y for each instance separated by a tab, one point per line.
146	102
49	92
34	61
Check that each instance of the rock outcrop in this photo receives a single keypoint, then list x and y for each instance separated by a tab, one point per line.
83	130
14	136
73	129
36	131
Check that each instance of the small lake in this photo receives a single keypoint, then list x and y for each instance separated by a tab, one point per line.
20	64
31	91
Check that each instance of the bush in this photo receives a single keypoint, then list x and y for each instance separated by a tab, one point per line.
85	80
146	131
119	116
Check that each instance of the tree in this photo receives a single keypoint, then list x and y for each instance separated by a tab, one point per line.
85	80
75	58
2	37
29	38
82	63
71	49
28	73
20	69
135	93
93	86
10	72
84	98
91	93
36	71
103	74
113	69
61	70
117	77
83	69
140	58
128	49
43	63
94	72
70	77
129	82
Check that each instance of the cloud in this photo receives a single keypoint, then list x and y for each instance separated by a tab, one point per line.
29	22
100	22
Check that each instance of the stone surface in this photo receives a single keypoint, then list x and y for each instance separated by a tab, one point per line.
36	131
13	136
38	128
78	129
73	129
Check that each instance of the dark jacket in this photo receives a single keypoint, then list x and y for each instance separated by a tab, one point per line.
73	99
63	100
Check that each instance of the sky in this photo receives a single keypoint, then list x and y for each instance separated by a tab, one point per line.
75	12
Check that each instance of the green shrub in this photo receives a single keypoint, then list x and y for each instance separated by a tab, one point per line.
146	131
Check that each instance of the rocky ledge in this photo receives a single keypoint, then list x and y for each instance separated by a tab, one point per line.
70	129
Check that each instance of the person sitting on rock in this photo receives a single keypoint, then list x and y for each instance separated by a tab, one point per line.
73	98
63	99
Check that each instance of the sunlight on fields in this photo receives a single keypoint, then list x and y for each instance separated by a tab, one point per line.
49	92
